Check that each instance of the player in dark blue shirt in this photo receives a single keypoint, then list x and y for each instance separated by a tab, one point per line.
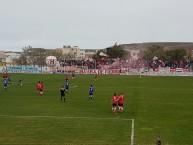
67	86
20	81
5	82
91	91
9	80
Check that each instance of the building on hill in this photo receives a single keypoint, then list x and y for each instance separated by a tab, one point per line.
89	53
74	52
9	58
71	52
35	56
2	58
12	57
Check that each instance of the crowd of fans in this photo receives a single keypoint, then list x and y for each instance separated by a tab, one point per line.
89	63
129	63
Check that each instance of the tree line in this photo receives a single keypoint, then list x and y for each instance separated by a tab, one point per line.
37	56
154	51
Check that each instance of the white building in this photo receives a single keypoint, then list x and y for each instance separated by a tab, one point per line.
71	52
2	58
89	52
8	58
76	53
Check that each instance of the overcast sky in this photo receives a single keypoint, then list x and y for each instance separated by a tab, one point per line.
93	24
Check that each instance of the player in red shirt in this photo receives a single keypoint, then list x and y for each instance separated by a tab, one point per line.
5	75
66	77
114	101
41	87
120	102
73	74
96	77
38	87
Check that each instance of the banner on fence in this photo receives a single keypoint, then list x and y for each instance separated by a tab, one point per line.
35	69
100	71
23	69
2	69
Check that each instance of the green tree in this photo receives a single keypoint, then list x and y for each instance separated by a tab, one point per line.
58	54
117	52
33	56
178	54
153	51
97	56
168	56
22	60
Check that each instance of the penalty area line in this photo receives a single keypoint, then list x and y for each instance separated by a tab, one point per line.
62	117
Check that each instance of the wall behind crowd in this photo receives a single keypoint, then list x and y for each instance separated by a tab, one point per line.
122	71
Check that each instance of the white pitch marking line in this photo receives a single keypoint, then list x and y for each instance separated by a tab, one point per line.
62	117
132	132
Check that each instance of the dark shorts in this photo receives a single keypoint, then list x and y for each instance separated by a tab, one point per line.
41	90
5	85
90	93
114	105
120	104
62	95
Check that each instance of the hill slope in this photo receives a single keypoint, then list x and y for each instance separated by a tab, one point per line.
165	45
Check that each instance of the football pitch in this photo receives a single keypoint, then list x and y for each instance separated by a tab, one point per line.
154	106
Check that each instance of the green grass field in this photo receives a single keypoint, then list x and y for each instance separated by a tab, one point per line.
159	106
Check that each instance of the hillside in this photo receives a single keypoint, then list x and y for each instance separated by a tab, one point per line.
165	45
